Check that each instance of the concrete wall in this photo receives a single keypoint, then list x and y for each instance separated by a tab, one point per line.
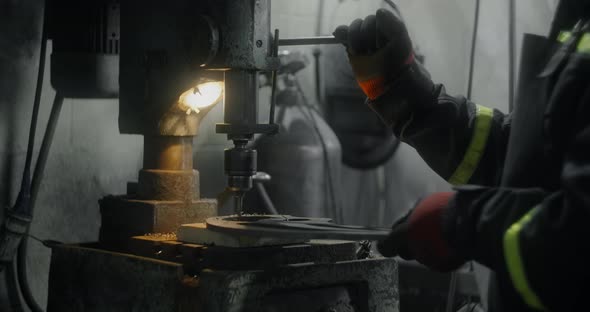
90	158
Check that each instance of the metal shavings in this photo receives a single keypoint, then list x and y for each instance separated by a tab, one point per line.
163	236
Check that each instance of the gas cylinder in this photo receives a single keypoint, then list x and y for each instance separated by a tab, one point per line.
304	159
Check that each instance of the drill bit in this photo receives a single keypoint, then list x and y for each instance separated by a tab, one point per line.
239	203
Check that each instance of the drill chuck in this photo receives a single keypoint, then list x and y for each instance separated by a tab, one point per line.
240	166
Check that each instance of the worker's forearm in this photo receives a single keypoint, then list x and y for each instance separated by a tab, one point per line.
461	141
532	238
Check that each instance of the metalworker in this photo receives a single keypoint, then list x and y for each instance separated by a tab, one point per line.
521	203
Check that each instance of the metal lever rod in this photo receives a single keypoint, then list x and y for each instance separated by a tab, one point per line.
308	41
273	100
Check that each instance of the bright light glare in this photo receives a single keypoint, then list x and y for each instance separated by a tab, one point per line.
201	96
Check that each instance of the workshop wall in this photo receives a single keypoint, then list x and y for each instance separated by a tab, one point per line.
90	159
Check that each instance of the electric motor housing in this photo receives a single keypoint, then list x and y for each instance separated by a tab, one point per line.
85	47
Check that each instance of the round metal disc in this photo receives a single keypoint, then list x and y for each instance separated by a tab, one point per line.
283	226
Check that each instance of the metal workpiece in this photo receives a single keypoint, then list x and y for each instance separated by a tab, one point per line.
284	226
198	257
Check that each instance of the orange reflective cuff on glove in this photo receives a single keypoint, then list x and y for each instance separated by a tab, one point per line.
373	88
370	76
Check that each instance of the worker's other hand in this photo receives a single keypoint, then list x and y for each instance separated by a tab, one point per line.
379	48
382	58
419	235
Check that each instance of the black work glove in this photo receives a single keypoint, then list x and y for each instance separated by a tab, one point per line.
419	235
381	55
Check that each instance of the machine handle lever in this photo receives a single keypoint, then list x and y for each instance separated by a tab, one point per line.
275	53
308	41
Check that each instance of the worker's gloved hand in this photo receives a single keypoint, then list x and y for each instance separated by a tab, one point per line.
379	47
382	58
419	235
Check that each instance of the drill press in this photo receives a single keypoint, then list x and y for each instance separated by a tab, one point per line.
240	114
166	50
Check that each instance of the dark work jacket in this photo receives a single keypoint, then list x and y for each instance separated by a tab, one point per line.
535	162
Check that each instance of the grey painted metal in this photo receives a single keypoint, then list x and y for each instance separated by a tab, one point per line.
283	226
245	28
85	56
308	41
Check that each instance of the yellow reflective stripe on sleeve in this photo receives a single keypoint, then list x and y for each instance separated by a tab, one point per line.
564	36
479	139
583	45
515	265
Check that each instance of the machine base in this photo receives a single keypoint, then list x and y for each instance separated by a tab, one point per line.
87	278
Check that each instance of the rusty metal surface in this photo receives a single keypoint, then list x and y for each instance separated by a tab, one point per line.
284	226
166	185
124	217
228	258
245	40
372	284
168	172
84	278
168	152
197	257
161	246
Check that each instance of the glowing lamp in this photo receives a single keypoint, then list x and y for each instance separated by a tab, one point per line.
201	96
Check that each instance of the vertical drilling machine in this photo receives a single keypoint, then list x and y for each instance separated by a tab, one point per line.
170	57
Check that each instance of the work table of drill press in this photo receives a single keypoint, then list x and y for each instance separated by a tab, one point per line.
158	273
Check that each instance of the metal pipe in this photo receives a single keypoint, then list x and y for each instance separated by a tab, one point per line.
45	148
21	265
275	53
511	52
308	41
472	51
